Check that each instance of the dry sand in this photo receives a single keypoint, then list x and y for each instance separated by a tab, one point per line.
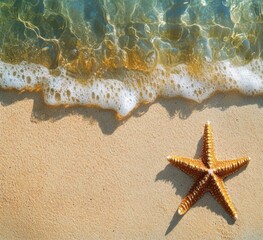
81	174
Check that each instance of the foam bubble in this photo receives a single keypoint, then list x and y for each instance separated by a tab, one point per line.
123	94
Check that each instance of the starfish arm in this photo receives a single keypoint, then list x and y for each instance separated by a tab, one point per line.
197	190
225	168
218	190
192	167
208	152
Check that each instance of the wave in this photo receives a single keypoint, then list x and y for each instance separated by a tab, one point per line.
117	54
134	87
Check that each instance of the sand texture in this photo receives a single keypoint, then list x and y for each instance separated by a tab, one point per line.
81	174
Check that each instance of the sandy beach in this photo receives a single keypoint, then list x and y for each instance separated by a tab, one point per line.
79	173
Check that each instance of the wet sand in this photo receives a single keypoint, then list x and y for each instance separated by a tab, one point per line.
80	173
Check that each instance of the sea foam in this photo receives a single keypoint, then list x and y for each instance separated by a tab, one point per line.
123	94
117	54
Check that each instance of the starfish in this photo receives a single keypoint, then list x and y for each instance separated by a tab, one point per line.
209	174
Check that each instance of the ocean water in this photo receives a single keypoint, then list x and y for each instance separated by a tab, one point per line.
116	54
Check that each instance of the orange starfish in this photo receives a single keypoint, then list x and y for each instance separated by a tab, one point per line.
209	174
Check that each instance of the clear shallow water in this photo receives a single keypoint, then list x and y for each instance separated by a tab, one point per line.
116	54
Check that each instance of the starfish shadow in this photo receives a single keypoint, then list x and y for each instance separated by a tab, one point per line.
182	183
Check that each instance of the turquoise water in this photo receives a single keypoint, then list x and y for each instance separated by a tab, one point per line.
116	54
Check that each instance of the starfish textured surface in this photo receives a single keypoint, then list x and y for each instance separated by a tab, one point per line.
209	174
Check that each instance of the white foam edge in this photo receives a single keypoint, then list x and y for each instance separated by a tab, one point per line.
122	95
